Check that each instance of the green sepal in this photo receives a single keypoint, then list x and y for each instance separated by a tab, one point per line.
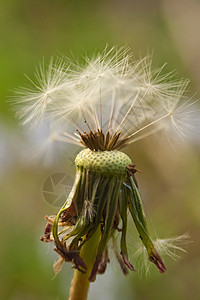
101	202
138	203
79	227
123	204
111	206
137	212
71	198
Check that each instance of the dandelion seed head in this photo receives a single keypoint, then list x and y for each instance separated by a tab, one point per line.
110	92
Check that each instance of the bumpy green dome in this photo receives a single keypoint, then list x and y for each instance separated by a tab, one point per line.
108	163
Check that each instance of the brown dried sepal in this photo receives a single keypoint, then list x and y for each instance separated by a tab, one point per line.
121	263
103	262
47	233
72	256
69	216
155	258
126	261
131	170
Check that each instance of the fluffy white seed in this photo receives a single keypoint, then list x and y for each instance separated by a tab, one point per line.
171	247
112	92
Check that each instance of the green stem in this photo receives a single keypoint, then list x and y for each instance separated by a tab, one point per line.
80	282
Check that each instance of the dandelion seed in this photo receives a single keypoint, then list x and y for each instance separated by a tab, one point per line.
37	100
107	103
57	266
171	247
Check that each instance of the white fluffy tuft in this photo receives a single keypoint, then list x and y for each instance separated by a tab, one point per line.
112	91
171	247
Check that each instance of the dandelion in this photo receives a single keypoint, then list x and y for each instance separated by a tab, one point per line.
109	102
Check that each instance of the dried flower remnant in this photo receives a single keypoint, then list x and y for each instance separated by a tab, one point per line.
109	102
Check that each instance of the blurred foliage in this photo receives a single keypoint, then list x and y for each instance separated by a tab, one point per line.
33	30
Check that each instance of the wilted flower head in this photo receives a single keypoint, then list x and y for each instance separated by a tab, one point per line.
107	103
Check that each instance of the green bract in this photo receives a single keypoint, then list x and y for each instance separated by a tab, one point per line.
104	190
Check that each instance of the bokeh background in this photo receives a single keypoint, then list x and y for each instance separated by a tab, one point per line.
33	30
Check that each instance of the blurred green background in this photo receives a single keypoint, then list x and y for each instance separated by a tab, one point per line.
33	30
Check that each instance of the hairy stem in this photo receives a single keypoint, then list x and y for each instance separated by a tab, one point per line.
80	282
